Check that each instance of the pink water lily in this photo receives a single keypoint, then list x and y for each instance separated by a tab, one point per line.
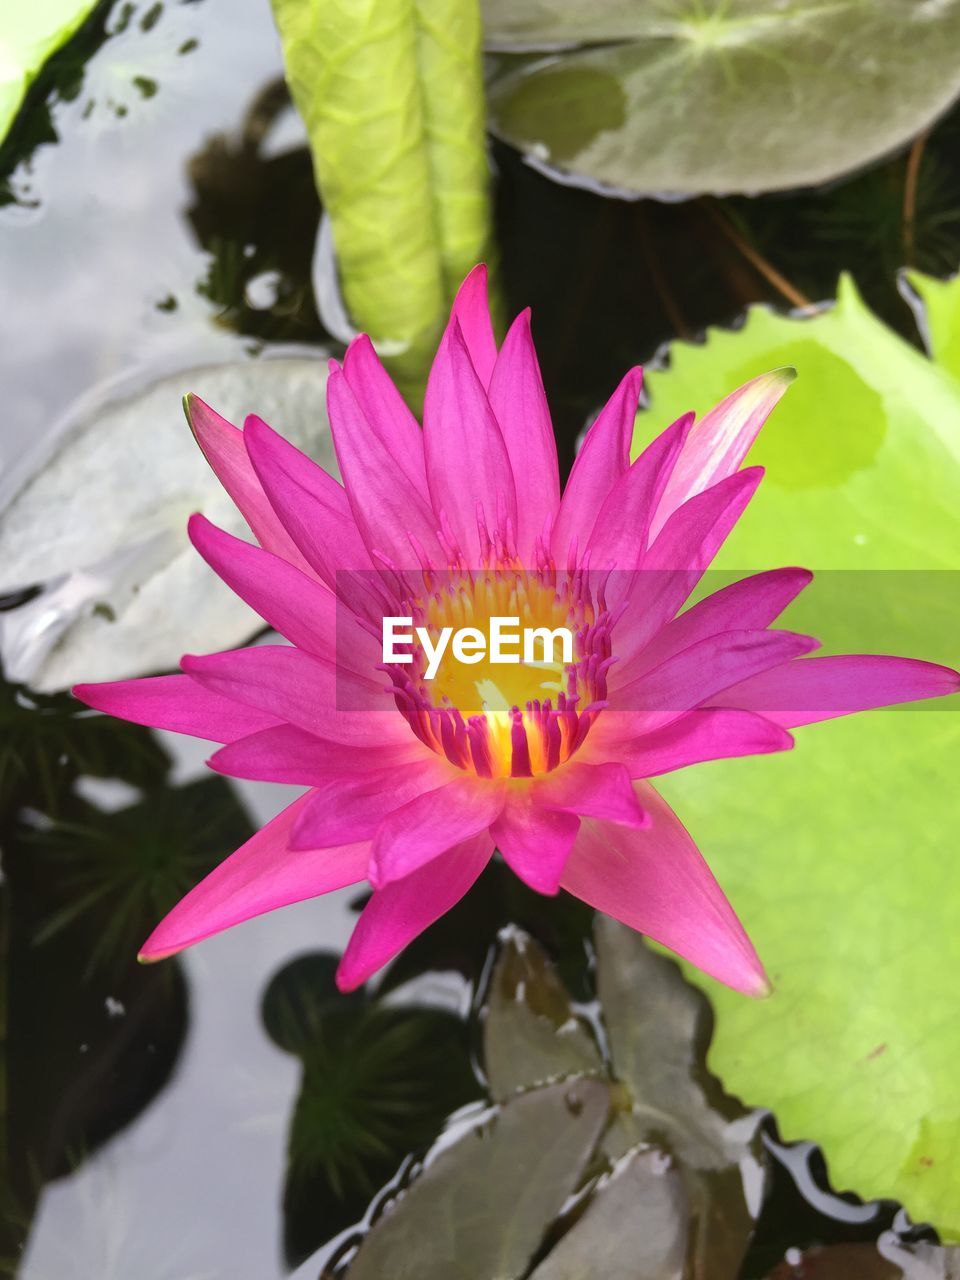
412	784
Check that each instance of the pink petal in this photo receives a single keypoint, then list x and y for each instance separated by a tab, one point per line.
704	734
519	402
656	882
260	876
223	447
683	550
351	806
592	791
468	468
722	439
290	685
535	841
748	605
300	608
288	754
700	672
420	831
394	520
619	539
804	692
472	310
176	703
397	913
316	512
384	408
602	460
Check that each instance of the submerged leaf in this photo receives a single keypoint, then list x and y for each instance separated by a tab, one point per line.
888	1260
127	587
482	1205
840	856
531	1033
682	98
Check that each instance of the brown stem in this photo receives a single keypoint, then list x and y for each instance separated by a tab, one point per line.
759	262
910	184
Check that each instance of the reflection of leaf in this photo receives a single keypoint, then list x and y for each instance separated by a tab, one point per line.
840	855
127	587
682	97
482	1205
531	1033
658	1028
29	33
634	1228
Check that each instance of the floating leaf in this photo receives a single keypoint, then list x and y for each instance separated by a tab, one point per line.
126	588
634	1228
683	97
840	855
29	33
531	1033
482	1205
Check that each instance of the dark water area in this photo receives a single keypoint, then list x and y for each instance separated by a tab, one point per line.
227	1113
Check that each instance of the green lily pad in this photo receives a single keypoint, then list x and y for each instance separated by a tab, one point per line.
840	856
684	97
29	33
481	1207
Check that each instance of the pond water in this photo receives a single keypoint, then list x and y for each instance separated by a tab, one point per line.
159	214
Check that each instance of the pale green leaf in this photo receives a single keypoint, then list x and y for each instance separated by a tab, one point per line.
29	33
682	97
841	856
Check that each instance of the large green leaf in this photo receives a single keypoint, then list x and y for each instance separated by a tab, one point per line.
29	33
840	856
689	96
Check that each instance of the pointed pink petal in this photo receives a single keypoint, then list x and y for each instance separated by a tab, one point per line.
619	539
385	409
288	754
704	734
592	791
472	310
351	806
420	831
300	608
176	703
393	519
397	913
535	841
699	673
261	876
813	689
290	685
468	469
684	549
519	402
223	447
316	512
722	439
656	882
602	460
748	605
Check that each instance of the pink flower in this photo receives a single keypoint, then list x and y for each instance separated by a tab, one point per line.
413	782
